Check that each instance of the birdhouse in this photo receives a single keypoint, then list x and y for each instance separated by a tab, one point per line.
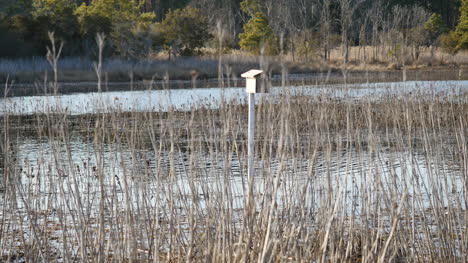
255	81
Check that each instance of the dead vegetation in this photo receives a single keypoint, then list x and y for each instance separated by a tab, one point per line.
336	181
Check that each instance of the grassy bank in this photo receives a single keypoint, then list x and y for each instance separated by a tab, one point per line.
362	59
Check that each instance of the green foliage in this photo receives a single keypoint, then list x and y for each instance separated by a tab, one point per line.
462	27
450	41
458	39
118	19
52	8
116	11
132	32
51	16
435	26
21	24
10	8
250	7
184	31
131	40
92	21
257	34
101	15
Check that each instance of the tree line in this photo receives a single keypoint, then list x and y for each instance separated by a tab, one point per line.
303	28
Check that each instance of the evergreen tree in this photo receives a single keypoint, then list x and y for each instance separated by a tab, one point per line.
458	39
101	15
462	27
184	31
120	20
250	7
257	31
435	26
52	16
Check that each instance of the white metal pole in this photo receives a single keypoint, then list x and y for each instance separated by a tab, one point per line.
251	150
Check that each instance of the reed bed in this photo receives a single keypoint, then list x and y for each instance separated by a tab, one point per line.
78	69
336	180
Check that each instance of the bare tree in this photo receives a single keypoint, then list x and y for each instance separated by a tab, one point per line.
402	32
363	38
326	27
293	19
225	12
347	9
376	20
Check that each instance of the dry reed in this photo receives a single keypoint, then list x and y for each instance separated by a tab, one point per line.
336	181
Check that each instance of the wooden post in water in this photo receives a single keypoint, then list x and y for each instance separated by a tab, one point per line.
252	87
251	149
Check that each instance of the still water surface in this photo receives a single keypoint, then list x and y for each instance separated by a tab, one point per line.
185	99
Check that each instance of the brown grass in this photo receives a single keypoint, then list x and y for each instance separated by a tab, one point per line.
336	181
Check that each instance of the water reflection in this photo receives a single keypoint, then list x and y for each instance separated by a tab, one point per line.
46	167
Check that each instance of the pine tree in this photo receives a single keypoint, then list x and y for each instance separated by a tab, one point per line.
462	27
105	13
184	31
257	31
54	16
123	21
458	39
435	26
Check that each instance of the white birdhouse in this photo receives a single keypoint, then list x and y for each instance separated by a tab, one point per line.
254	81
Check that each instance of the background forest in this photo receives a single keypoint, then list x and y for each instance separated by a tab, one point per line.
302	28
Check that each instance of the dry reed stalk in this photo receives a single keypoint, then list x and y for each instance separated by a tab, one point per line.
336	181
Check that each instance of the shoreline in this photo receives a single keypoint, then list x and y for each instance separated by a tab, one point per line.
302	78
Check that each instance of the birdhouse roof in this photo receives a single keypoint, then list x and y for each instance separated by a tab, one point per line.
251	73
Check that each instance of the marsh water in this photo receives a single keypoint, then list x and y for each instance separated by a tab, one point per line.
186	99
38	157
51	172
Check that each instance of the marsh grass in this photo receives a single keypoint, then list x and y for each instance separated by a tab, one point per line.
336	181
82	69
77	69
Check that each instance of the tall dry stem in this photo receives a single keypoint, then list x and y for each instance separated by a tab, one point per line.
53	56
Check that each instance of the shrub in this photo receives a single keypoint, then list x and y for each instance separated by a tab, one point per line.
449	41
117	19
101	15
184	31
306	44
